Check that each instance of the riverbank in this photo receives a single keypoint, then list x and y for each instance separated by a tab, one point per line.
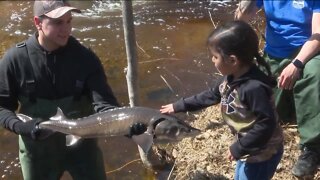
204	157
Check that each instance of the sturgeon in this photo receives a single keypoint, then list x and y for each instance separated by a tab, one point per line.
161	128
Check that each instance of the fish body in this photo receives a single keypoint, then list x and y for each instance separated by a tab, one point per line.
161	128
117	122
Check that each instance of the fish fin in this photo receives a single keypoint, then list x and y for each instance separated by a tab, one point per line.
144	141
144	158
72	140
23	117
59	115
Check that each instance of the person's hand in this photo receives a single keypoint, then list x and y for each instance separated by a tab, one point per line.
245	10
31	129
288	77
137	129
167	109
230	156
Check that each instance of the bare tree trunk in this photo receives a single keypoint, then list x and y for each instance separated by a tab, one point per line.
130	41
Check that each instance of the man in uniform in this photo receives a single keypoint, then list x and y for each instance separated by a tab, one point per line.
52	69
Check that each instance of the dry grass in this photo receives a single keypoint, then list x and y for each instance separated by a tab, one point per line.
204	157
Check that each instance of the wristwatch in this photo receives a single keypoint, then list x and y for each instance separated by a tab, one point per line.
297	63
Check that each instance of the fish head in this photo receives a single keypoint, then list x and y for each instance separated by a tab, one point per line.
171	129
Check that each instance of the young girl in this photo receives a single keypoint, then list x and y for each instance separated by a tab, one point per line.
245	97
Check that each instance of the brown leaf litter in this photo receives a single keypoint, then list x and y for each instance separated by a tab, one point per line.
204	157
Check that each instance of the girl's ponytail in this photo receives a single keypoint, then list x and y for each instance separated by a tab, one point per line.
261	62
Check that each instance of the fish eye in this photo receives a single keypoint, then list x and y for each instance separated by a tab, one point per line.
187	130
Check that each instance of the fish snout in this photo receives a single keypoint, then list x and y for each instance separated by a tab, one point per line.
188	132
174	130
193	132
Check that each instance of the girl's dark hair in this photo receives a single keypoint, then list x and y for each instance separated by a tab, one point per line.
239	39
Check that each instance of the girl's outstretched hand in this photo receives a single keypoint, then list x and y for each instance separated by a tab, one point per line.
230	156
167	109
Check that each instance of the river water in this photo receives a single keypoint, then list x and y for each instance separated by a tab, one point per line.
172	55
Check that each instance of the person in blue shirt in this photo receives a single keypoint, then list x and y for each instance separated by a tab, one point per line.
292	50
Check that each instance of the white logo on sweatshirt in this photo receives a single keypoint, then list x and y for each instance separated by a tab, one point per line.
298	4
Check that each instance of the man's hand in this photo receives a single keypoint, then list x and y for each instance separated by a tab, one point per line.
31	129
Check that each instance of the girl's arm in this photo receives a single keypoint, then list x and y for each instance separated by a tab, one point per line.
202	100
